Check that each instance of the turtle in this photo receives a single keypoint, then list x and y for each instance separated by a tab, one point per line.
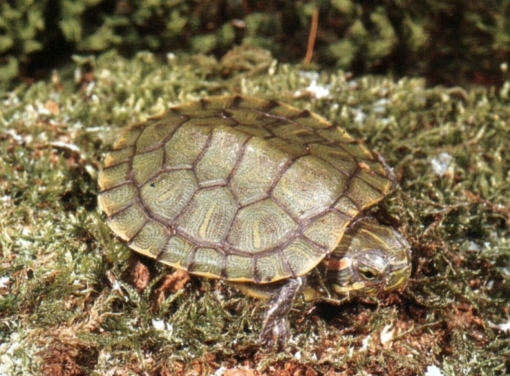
257	193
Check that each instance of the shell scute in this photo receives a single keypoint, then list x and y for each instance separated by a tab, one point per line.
255	119
293	132
118	156
326	230
221	155
128	222
335	156
207	262
260	227
114	176
117	199
150	240
362	193
167	194
271	267
147	165
155	134
177	252
301	254
257	170
185	146
309	186
208	215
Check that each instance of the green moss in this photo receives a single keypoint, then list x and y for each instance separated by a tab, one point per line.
454	41
68	298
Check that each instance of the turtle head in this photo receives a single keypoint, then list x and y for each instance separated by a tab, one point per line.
369	260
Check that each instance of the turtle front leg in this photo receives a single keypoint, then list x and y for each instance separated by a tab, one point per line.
275	326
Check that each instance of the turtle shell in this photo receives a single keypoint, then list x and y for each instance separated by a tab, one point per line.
238	188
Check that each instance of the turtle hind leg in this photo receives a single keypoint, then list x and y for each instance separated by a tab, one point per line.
275	325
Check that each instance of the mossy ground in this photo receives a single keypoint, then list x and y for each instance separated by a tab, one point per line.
74	300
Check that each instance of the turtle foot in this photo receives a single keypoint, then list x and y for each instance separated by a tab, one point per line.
275	326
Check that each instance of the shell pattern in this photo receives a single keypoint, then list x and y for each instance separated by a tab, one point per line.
238	188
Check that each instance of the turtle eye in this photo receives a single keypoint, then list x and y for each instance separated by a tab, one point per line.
368	273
